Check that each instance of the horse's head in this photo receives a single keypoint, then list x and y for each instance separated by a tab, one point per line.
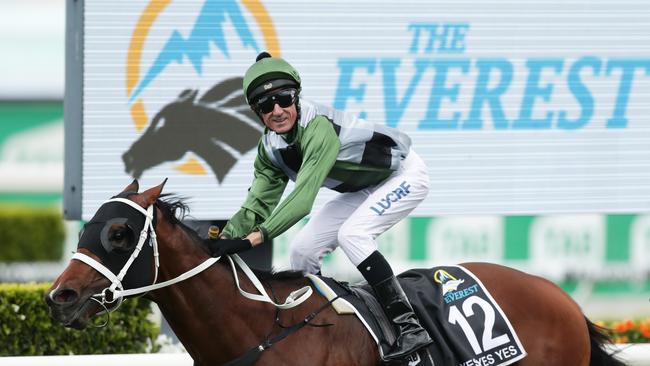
163	139
217	127
119	237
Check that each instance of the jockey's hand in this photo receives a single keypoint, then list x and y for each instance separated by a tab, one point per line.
224	246
256	238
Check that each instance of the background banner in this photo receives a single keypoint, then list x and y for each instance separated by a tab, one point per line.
518	108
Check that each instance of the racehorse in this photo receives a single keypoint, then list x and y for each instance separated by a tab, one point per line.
217	127
216	324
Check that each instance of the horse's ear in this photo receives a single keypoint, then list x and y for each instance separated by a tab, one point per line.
151	195
187	95
133	187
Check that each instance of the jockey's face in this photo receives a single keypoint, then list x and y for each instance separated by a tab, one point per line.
280	119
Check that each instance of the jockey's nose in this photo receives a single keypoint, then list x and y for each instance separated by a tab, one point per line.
277	110
61	297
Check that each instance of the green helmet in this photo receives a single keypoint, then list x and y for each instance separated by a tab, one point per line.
267	74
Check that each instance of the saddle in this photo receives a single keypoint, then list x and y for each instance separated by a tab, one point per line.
468	327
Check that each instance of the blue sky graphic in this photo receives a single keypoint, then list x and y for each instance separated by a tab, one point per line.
207	28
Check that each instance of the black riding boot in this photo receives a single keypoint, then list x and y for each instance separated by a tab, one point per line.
410	334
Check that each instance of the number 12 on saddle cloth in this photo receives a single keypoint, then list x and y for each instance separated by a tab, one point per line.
467	325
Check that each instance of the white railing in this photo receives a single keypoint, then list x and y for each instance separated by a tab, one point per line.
632	354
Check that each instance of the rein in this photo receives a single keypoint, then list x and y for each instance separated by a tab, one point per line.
116	290
253	354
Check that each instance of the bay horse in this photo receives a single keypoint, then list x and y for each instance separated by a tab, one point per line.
216	324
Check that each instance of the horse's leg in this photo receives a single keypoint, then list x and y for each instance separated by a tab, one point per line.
550	325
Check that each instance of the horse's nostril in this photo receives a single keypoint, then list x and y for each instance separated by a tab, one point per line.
64	296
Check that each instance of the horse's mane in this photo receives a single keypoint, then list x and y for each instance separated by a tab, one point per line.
175	210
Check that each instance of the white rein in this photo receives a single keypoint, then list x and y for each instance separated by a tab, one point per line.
117	289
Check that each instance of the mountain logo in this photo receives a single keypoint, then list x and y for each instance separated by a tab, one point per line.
192	130
449	283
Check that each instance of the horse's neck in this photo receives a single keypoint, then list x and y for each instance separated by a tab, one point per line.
203	310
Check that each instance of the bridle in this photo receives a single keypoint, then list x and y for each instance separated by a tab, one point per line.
110	298
115	293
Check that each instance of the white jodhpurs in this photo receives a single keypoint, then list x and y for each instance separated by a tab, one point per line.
354	220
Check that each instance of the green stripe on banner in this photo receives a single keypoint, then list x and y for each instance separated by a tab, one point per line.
20	116
618	237
614	287
568	285
418	230
32	198
517	231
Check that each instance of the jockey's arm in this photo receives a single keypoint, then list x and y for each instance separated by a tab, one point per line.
263	195
320	147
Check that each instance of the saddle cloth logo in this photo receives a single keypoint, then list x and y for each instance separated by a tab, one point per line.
449	283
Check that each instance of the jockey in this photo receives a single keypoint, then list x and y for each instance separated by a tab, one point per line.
379	177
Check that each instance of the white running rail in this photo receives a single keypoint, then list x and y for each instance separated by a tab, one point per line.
632	354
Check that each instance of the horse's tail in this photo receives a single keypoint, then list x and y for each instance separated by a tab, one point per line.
599	338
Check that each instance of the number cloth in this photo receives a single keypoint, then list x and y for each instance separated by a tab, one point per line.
468	326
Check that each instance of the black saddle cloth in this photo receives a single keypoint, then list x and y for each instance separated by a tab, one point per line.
468	328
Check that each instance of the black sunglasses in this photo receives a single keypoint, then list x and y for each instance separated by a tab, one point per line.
284	99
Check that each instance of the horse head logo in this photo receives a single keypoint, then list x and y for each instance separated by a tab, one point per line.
219	127
449	283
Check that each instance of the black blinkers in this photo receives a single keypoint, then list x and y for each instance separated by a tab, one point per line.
113	234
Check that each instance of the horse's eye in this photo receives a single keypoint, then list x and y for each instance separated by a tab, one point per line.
121	238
